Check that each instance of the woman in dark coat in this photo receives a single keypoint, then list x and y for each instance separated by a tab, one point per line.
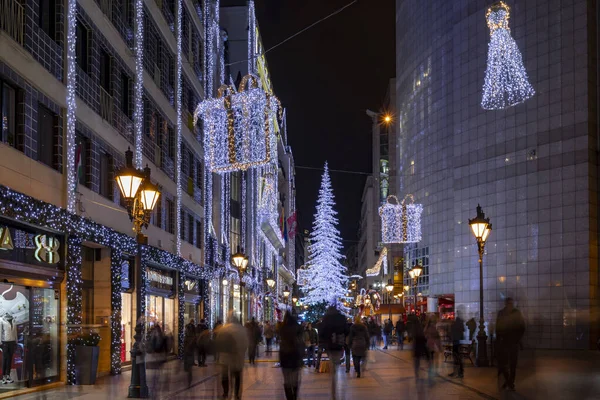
291	353
189	350
358	340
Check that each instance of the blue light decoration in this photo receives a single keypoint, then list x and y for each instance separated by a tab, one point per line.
506	83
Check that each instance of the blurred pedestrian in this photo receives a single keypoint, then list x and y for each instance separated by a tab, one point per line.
434	342
291	352
457	331
254	335
202	342
388	328
310	341
232	343
321	342
419	346
215	331
334	333
471	326
510	328
189	350
373	332
347	349
358	340
269	334
400	328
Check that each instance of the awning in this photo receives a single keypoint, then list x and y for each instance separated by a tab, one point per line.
272	233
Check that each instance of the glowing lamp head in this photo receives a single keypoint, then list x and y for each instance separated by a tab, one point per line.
128	178
149	195
225	283
286	291
406	287
480	225
390	286
240	261
271	282
294	299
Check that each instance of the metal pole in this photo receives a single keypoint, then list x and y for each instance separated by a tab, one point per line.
138	387
482	360
390	306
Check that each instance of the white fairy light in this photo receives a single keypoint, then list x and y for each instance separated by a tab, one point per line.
400	222
325	274
208	50
179	127
506	82
243	223
138	93
251	36
71	103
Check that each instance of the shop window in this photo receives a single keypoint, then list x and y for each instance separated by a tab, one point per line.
126	328
47	17
126	105
8	103
82	47
106	175
47	125
105	70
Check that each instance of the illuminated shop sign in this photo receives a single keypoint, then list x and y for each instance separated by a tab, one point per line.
26	245
160	279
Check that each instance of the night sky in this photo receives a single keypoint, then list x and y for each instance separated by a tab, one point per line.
326	78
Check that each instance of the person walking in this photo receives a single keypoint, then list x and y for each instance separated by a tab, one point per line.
269	334
419	346
457	331
400	328
310	341
347	349
335	330
253	333
321	342
189	350
232	343
291	352
373	333
388	328
510	327
202	341
358	340
434	342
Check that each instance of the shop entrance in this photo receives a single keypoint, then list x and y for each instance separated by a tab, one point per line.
29	318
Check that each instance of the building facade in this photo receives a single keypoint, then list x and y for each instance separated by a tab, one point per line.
532	167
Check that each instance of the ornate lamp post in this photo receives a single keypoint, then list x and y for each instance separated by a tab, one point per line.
389	288
481	227
414	273
140	196
286	293
240	261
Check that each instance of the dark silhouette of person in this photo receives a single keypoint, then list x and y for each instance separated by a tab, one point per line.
510	328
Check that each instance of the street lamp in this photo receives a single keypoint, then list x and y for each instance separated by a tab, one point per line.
389	287
270	282
140	196
481	227
240	261
414	273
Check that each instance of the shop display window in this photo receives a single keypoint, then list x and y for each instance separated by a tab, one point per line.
126	327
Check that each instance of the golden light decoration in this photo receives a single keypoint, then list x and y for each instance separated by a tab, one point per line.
382	260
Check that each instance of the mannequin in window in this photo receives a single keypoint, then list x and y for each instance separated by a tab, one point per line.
8	339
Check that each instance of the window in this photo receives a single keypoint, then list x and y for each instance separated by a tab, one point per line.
8	102
199	174
171	143
105	70
157	221
234	234
46	127
126	95
82	162
182	225
81	47
127	9
169	222
190	228
106	175
199	234
87	284
47	17
236	187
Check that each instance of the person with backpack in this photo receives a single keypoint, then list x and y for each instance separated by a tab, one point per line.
334	329
358	340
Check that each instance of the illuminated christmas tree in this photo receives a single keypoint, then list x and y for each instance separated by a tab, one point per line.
506	83
326	278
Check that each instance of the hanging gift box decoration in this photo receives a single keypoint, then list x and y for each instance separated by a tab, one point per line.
400	222
239	127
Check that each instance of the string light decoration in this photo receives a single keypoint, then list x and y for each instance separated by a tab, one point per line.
138	92
243	223
181	317
400	222
325	274
506	83
381	261
268	213
251	36
208	50
71	103
178	83
29	210
240	127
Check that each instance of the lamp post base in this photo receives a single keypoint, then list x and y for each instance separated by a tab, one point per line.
482	358
138	388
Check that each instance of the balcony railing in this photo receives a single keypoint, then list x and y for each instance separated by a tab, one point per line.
106	105
106	7
11	19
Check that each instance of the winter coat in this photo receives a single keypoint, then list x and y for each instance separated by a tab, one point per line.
291	346
334	323
457	330
254	334
269	331
510	326
400	327
358	339
310	337
388	328
434	342
373	328
189	346
232	343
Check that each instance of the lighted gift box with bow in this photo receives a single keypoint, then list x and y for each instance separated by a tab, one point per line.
239	127
400	222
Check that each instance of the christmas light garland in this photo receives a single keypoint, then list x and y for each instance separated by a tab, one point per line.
178	84
506	83
138	93
71	103
400	222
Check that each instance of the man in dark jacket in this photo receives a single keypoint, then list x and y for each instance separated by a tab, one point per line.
335	329
400	333
202	341
510	328
457	331
388	328
347	349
